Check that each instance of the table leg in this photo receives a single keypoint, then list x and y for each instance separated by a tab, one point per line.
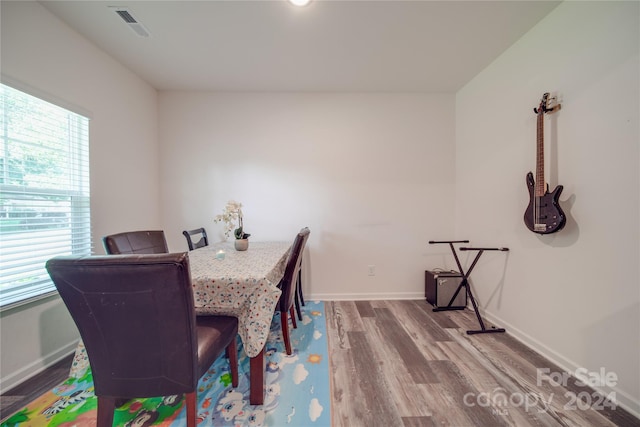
256	373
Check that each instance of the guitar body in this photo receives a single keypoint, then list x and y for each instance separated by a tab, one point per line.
544	214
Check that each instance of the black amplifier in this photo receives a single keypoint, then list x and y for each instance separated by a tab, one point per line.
440	285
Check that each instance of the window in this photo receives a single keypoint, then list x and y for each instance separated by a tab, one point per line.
44	192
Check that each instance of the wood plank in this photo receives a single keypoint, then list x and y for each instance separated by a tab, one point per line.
419	313
418	422
351	316
411	355
492	388
439	317
446	409
345	392
423	331
336	333
409	399
459	387
342	317
467	320
365	309
381	408
347	399
379	303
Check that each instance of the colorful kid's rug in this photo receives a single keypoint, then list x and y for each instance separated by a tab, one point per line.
297	390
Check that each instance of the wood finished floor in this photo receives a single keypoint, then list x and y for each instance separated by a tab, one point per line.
19	396
397	363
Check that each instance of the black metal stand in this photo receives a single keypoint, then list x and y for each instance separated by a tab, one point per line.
464	283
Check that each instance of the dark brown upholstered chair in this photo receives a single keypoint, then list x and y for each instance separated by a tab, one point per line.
136	316
299	298
288	285
136	242
203	241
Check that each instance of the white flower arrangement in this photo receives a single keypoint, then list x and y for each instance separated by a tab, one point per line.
231	213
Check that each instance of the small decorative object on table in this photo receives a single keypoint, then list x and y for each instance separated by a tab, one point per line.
232	212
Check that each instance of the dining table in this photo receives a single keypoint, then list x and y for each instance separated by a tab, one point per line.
236	283
243	284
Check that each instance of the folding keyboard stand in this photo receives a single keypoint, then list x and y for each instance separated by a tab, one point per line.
464	283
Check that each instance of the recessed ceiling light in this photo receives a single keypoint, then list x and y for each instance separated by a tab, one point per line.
299	2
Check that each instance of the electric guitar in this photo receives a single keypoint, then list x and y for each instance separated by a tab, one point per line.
544	214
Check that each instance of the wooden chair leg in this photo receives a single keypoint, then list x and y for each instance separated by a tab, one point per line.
232	355
285	331
191	409
106	406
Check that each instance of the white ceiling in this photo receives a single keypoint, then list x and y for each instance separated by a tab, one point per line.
329	45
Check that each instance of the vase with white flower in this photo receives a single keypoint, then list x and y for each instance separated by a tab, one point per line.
232	213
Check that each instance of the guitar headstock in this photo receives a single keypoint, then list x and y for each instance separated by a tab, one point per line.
548	104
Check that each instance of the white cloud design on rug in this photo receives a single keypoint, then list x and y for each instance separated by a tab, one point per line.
317	334
300	374
315	409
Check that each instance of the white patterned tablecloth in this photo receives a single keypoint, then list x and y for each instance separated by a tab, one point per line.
242	284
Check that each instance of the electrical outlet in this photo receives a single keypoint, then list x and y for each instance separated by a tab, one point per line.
372	270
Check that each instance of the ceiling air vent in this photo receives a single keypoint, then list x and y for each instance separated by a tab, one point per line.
131	22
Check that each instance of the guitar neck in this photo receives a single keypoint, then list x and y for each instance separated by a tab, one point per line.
540	184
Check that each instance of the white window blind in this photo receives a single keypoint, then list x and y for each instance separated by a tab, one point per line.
44	192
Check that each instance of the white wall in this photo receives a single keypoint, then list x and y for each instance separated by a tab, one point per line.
573	295
43	54
370	174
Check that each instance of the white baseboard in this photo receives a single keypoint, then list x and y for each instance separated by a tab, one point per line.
37	366
365	297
